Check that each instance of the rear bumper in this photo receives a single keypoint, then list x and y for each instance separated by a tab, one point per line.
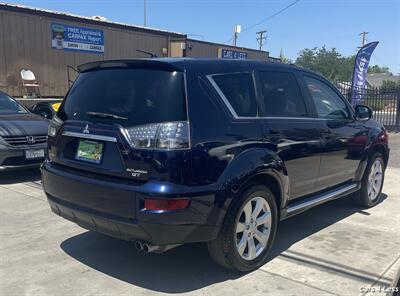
114	209
12	158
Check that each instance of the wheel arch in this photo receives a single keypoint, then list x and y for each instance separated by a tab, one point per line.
377	142
381	148
271	182
278	184
255	166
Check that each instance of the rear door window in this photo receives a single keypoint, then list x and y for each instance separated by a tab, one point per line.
138	96
239	93
281	96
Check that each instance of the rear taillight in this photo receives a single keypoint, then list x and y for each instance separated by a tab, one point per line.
166	135
54	126
172	204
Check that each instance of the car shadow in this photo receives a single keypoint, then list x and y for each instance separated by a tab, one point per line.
20	176
189	267
185	268
303	225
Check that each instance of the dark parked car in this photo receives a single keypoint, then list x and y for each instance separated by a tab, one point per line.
23	135
46	109
171	151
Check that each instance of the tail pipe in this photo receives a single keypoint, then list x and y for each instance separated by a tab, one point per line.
139	245
149	248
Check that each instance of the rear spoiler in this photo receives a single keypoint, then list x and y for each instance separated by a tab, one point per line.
155	64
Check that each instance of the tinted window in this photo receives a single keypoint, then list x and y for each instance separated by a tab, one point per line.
9	106
281	95
239	91
327	102
143	96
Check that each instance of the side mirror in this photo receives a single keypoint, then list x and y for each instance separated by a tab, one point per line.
363	112
44	113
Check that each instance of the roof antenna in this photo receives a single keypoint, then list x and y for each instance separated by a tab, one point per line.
152	55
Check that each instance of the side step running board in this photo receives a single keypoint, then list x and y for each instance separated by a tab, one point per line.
319	199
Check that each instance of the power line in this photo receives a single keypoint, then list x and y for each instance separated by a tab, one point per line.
271	16
379	60
267	18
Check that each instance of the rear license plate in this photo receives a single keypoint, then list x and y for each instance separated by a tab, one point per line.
90	151
34	153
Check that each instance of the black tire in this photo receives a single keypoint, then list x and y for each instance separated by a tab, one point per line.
361	197
223	249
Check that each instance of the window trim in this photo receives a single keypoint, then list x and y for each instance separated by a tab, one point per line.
327	84
233	112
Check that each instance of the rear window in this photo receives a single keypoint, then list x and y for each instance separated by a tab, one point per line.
138	96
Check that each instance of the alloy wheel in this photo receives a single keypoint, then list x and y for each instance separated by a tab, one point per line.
375	180
253	228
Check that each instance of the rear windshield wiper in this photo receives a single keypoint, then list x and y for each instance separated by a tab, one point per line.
105	115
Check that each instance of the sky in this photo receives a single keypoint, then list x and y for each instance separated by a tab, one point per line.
305	24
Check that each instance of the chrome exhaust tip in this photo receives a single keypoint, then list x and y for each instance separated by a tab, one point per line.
139	246
149	248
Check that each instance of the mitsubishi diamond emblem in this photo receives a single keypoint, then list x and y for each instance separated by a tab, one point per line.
86	130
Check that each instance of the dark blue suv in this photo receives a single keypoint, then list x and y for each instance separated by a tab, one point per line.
171	151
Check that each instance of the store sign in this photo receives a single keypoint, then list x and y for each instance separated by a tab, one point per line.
77	38
231	54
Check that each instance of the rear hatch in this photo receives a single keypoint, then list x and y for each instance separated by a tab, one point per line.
116	117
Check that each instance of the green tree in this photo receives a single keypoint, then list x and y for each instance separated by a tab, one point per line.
284	59
328	62
377	69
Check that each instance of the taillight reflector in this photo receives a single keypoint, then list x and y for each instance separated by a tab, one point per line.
151	204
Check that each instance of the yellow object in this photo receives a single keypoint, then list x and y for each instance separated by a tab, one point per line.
55	106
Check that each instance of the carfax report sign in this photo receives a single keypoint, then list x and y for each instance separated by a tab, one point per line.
77	38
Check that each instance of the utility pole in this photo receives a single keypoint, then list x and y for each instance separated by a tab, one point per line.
144	14
261	38
364	38
236	32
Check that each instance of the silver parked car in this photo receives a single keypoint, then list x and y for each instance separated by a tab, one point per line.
23	135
